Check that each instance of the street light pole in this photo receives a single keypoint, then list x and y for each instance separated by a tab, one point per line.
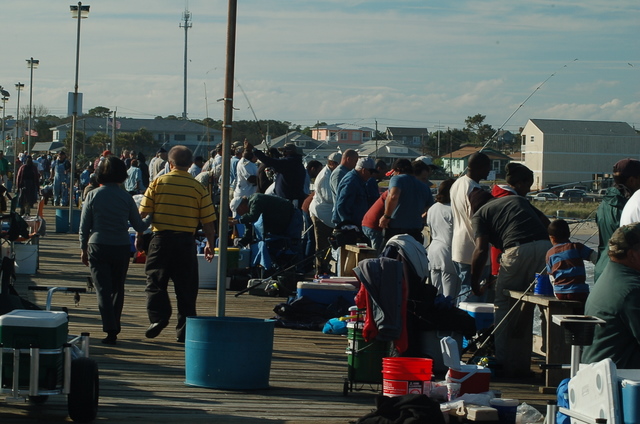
78	12
19	87
31	64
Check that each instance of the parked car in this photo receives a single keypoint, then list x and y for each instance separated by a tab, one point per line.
575	195
545	197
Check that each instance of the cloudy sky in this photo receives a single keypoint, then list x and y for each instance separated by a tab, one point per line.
400	63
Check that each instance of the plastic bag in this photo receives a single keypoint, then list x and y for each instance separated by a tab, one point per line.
529	414
335	326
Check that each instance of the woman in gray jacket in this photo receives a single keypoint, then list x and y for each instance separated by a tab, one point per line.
105	242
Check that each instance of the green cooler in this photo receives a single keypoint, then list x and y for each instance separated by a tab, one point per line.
364	358
24	329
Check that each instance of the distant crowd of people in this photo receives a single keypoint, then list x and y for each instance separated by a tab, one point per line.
479	244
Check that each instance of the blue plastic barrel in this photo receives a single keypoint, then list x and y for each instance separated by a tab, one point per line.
228	352
62	220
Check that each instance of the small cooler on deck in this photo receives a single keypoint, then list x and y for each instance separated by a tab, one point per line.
472	378
33	328
326	293
481	312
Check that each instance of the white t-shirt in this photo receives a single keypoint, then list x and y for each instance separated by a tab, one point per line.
440	221
244	170
463	242
322	204
631	211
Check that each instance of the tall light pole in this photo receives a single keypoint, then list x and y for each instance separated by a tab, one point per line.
31	64
78	12
186	16
5	97
19	87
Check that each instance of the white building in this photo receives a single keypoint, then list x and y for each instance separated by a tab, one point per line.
567	152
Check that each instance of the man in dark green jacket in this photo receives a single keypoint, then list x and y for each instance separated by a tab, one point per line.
626	175
616	299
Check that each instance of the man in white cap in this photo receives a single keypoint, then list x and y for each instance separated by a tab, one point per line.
321	210
351	200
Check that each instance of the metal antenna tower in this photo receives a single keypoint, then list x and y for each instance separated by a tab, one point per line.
186	24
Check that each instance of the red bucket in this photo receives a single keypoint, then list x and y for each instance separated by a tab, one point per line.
403	376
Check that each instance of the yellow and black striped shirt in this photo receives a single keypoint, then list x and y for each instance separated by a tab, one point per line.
178	202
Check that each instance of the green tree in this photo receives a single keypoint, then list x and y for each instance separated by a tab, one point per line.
100	141
476	125
99	112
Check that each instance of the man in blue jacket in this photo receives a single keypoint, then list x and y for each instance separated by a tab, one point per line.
351	203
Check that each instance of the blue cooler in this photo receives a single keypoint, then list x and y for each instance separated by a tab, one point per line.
629	380
481	312
327	293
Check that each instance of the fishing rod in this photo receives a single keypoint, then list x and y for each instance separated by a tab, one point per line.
524	102
262	135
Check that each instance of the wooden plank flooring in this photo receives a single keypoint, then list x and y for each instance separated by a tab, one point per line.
143	380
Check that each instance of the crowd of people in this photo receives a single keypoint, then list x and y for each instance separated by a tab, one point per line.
478	243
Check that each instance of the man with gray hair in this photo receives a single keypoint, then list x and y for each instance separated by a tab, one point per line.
615	298
351	201
347	163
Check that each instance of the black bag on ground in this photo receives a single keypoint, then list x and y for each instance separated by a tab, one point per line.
407	409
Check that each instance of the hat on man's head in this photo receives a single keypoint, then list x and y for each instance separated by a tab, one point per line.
235	202
106	153
426	159
627	167
292	148
237	144
625	238
161	150
335	157
366	163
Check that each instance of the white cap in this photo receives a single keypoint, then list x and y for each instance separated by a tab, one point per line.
426	159
235	202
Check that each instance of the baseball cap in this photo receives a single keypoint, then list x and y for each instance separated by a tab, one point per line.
624	238
335	157
627	167
291	147
106	153
366	163
426	159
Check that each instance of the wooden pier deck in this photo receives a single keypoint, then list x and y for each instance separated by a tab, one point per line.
143	380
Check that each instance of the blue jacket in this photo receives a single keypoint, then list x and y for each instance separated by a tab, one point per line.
351	201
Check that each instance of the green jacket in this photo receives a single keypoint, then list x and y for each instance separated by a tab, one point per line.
608	220
616	299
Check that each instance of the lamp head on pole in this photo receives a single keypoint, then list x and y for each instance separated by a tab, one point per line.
19	86
33	63
4	93
84	11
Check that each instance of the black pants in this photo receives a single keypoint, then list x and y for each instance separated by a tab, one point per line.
172	256
109	265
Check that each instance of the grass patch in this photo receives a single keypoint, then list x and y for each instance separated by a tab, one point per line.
584	210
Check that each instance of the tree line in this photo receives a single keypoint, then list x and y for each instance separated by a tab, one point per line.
438	143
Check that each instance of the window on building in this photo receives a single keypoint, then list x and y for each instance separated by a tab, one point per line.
344	136
163	138
179	137
495	165
356	136
531	139
416	140
524	139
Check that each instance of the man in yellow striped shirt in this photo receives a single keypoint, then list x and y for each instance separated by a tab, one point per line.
177	203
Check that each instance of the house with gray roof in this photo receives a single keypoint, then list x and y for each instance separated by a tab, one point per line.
567	151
